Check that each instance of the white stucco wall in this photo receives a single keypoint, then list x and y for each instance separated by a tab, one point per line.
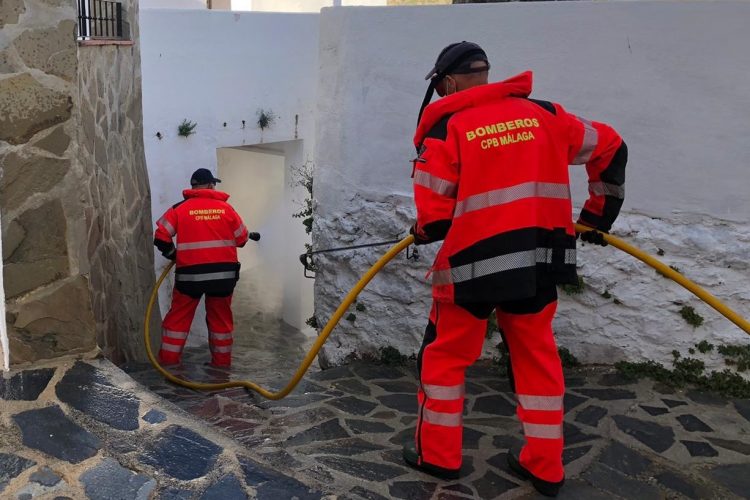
172	4
308	5
672	77
217	69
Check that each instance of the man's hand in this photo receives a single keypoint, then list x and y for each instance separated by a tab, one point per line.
253	236
595	237
419	237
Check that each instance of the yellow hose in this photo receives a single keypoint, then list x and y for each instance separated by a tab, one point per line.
350	297
675	276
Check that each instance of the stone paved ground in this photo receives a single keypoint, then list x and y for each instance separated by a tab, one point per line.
341	431
85	429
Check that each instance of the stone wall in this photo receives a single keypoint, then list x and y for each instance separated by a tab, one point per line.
73	185
119	221
42	193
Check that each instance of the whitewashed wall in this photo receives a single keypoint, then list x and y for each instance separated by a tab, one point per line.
218	69
173	4
672	77
310	6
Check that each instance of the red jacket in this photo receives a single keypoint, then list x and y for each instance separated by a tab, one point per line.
208	231
492	180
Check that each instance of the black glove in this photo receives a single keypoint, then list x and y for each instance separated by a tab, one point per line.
419	237
595	237
171	254
253	236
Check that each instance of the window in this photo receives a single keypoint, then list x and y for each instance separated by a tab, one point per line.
101	20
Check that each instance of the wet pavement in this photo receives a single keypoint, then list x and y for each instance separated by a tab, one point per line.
85	429
342	431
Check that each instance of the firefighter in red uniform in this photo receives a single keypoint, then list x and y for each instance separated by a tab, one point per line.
208	232
491	180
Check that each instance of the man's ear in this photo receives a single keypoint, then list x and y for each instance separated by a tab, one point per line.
449	85
440	88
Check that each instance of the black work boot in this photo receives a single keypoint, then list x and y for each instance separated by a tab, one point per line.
411	457
546	488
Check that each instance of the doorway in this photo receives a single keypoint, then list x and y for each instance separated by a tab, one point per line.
273	299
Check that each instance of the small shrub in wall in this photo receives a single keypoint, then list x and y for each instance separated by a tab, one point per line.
391	356
687	372
186	128
266	119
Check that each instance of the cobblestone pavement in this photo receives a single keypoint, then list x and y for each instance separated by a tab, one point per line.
343	428
84	429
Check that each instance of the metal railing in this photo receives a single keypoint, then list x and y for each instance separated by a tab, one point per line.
100	19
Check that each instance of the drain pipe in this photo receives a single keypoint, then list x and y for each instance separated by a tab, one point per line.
3	326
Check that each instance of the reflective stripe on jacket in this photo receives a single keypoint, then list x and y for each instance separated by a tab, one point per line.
492	179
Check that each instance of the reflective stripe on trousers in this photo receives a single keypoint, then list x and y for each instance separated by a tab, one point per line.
454	419
172	347
221	349
219	336
443	392
543	431
175	335
542	403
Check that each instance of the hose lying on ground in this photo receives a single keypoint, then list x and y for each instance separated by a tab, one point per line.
367	277
303	367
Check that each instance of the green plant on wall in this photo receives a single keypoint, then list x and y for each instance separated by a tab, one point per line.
574	289
692	371
303	177
266	119
186	128
312	322
691	317
391	356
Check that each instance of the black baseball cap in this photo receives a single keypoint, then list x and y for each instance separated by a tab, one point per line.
203	176
456	58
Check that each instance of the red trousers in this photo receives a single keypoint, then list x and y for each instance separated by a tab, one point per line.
176	327
453	341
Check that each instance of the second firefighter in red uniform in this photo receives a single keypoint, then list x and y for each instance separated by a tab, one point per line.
207	231
491	180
